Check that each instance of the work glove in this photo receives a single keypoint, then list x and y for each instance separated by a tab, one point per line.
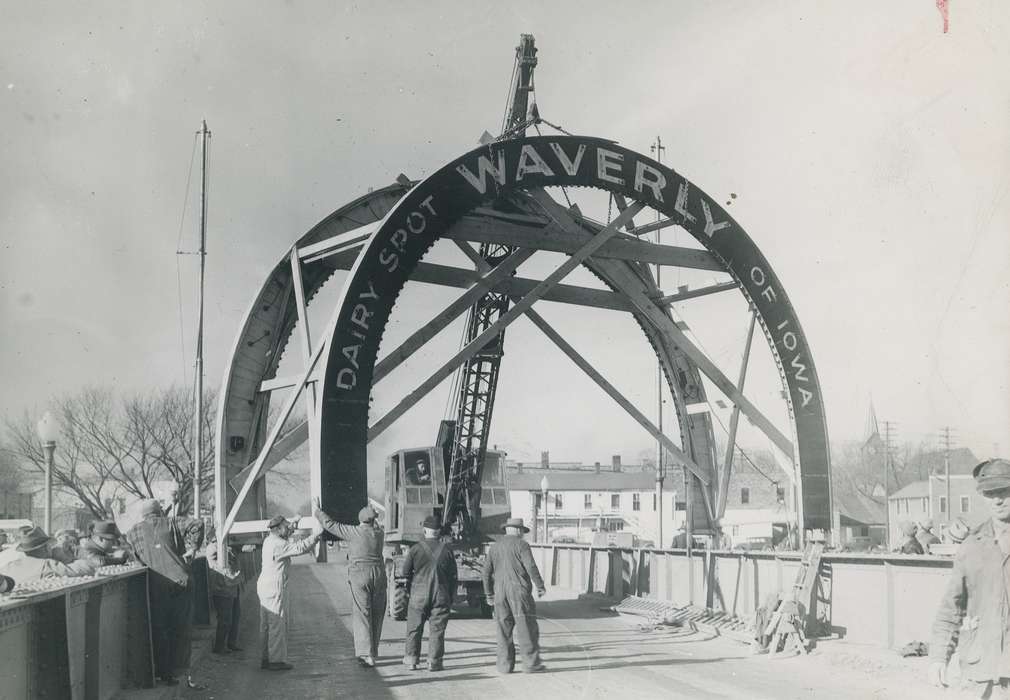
937	674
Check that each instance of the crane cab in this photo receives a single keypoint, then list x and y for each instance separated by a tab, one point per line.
415	489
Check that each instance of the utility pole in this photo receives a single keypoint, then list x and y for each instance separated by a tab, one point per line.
198	419
658	148
946	437
889	431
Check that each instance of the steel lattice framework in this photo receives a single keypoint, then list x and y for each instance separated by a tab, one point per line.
495	196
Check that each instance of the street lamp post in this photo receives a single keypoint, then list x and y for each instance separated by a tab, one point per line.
544	486
48	430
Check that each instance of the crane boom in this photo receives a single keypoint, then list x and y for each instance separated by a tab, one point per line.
479	383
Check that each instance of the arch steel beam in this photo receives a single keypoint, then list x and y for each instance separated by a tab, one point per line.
489	172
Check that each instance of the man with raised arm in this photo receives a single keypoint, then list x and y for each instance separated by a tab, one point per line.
272	589
366	574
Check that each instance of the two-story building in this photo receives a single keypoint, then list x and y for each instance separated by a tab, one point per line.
932	498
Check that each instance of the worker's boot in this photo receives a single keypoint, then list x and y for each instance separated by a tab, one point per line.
410	662
435	665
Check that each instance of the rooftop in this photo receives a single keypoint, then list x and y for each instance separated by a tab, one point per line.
582	480
917	489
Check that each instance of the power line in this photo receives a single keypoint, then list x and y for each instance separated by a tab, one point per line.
178	267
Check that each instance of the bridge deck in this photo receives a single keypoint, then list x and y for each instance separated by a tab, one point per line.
590	653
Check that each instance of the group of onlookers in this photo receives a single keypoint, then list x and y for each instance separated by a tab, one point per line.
918	538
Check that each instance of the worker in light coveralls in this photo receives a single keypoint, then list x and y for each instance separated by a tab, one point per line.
366	575
430	570
509	576
272	589
975	608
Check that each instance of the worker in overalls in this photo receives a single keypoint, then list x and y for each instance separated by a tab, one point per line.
509	576
167	546
366	575
272	589
430	569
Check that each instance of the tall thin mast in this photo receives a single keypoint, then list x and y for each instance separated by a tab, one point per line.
198	399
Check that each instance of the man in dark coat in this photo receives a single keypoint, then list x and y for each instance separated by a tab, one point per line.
926	536
509	576
910	545
366	575
226	593
430	568
167	546
102	548
975	608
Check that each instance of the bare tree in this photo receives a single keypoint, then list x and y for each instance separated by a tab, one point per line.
110	447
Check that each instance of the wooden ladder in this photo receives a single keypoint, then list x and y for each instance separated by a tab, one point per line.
785	627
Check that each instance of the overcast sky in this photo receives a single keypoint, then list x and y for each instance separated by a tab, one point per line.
869	154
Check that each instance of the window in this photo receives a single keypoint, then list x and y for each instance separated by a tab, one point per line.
654	501
864	532
965	504
680	505
557	501
943	504
615	501
636	501
924	505
587	502
538	500
744	496
780	494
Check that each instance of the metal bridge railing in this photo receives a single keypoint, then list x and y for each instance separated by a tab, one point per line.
884	600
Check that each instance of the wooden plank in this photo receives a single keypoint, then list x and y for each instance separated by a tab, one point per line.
481	284
551	237
616	395
695	293
494	329
285	382
734	421
270	441
666	325
315	469
355	238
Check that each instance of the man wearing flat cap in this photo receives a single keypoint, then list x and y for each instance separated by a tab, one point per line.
509	576
910	543
167	545
272	589
430	570
366	575
975	608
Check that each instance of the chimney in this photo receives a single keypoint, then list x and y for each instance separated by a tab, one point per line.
545	459
616	461
597	465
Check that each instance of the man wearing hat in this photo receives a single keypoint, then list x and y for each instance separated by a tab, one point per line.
225	592
975	608
366	575
909	545
167	546
102	548
926	536
509	576
272	589
40	557
430	569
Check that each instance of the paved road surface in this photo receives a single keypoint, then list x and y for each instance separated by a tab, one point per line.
590	654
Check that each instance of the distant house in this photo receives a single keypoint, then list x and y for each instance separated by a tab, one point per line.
928	498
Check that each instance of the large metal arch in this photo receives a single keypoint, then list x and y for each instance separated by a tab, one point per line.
266	328
486	174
